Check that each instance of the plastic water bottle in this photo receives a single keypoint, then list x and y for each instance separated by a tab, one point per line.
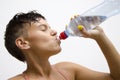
91	18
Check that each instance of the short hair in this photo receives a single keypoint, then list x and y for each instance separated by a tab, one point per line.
16	28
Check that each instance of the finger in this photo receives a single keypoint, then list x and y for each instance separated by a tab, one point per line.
66	26
75	16
80	27
71	18
83	30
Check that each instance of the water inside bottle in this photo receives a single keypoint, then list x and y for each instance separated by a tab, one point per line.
89	22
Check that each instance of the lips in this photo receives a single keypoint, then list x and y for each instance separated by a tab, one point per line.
58	39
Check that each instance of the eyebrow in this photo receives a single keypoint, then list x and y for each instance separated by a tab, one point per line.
42	25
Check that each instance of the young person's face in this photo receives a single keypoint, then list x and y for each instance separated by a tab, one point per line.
42	39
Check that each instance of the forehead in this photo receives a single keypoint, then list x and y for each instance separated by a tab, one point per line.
37	23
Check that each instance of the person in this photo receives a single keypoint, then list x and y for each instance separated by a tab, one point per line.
30	39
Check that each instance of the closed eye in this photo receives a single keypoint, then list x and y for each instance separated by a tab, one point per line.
43	27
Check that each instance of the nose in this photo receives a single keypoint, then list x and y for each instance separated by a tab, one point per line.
53	32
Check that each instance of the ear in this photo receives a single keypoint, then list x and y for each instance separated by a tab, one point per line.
22	43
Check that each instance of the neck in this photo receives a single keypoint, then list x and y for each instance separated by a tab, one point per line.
38	66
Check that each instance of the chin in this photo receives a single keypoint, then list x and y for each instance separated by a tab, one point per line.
57	51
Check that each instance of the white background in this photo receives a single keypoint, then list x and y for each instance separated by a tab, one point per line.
58	13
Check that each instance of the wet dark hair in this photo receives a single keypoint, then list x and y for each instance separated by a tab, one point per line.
15	28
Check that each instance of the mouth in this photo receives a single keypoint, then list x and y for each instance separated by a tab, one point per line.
58	39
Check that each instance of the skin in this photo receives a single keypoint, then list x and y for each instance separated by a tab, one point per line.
42	42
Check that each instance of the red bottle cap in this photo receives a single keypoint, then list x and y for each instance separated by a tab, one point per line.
63	35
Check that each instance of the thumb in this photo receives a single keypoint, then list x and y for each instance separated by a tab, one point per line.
83	31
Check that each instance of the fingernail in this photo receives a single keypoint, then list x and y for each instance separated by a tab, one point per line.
80	27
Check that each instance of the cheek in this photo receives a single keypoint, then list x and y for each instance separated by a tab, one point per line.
37	36
37	40
43	42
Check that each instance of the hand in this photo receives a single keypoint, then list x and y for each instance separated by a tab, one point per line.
94	33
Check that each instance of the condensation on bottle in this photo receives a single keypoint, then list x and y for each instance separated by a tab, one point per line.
91	18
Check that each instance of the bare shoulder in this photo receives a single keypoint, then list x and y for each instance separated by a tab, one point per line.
72	67
68	65
17	77
79	72
69	69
